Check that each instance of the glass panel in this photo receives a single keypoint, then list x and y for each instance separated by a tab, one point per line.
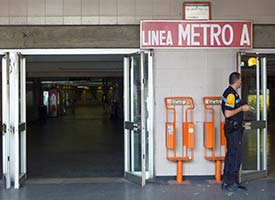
250	137
137	112
19	111
146	97
251	141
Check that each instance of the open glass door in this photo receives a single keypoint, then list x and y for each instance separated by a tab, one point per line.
17	118
137	117
254	92
6	120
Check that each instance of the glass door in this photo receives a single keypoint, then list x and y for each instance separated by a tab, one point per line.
254	92
15	116
138	120
6	120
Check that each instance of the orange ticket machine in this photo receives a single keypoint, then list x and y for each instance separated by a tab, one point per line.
179	144
214	141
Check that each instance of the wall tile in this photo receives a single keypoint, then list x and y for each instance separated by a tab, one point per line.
90	20
18	20
54	20
4	20
54	7
72	20
144	8
126	7
126	20
108	8
18	8
4	8
36	20
161	7
72	7
108	20
36	8
176	8
90	7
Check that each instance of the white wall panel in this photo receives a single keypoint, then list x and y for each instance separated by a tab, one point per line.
181	73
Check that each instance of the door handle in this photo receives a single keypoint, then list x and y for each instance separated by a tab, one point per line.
4	128
132	126
254	124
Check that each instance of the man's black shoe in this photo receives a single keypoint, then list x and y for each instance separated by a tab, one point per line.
224	185
241	187
232	188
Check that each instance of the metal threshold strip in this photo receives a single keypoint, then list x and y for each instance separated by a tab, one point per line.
91	180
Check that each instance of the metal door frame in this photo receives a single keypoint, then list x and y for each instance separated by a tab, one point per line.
129	72
6	120
259	54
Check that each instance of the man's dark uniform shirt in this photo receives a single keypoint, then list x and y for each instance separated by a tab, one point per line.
233	132
231	101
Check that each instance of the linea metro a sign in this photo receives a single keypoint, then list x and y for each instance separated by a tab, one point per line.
195	34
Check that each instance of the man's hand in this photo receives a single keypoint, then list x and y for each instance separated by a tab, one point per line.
246	108
230	113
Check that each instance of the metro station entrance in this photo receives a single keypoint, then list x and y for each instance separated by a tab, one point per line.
257	69
137	106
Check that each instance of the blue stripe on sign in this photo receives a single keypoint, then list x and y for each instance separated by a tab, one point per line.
223	98
238	101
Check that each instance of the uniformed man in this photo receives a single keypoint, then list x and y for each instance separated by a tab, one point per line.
233	109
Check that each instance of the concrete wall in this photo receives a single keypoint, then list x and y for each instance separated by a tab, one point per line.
69	36
109	36
181	73
124	11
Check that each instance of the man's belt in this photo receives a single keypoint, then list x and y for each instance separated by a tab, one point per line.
233	124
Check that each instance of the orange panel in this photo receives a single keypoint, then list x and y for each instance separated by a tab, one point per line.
188	129
222	138
209	134
170	135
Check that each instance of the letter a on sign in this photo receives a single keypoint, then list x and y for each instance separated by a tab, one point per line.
245	36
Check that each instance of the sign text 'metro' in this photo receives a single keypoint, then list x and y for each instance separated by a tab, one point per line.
196	34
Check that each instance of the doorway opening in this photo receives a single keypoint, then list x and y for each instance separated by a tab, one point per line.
69	95
75	116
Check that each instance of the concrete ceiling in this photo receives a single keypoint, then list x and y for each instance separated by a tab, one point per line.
75	66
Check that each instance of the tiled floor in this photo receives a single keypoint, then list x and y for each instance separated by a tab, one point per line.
88	144
120	189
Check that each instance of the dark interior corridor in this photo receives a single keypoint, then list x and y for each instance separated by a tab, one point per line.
86	144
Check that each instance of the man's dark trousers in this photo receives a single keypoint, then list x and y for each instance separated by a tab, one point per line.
233	158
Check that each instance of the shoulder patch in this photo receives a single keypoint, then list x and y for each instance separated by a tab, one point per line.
230	100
